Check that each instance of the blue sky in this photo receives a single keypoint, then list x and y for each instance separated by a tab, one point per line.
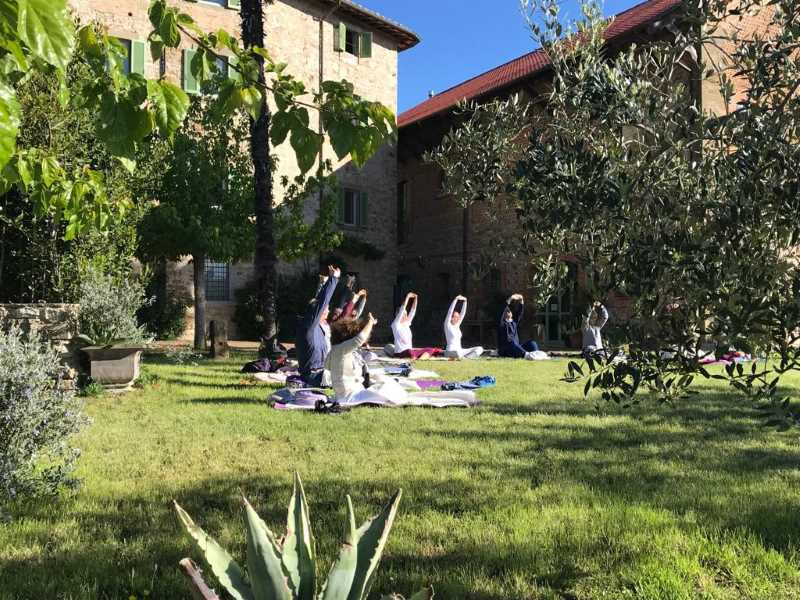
461	39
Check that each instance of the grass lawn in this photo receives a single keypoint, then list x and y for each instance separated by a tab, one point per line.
532	495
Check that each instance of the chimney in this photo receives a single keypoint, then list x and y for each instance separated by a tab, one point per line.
431	94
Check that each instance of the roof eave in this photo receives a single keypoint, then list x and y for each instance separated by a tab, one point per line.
405	37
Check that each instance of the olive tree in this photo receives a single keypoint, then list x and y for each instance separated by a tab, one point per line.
692	213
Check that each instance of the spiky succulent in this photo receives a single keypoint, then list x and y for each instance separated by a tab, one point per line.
285	569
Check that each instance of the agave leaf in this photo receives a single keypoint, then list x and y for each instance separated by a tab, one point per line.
343	571
298	553
225	569
370	541
264	559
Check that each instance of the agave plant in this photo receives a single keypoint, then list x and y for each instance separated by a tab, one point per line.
285	568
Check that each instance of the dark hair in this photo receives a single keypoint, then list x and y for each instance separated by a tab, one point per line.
345	329
350	281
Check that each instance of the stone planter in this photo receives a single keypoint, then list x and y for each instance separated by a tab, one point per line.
115	367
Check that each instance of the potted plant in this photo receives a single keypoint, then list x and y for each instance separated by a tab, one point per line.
107	323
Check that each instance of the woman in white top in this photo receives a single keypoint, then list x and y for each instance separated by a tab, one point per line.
452	332
347	367
401	329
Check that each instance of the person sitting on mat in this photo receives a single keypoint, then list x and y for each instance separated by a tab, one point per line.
401	328
593	323
313	337
452	332
347	373
508	331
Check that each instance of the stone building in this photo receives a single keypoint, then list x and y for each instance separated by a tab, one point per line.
320	40
438	240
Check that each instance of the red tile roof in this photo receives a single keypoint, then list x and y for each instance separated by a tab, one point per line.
529	64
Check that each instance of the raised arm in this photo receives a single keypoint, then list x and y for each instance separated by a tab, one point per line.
450	310
324	295
361	303
413	310
516	313
463	310
603	317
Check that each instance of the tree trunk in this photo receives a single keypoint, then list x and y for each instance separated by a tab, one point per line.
199	261
265	259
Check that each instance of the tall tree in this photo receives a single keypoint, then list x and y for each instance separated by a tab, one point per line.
355	127
691	213
204	199
265	258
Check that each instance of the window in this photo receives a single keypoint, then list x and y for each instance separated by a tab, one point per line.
190	83
351	42
217	281
224	3
403	221
126	62
132	59
357	43
353	208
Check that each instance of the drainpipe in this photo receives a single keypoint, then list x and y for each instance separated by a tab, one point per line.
321	75
465	251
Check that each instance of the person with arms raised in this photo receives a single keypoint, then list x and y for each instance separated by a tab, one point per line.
313	337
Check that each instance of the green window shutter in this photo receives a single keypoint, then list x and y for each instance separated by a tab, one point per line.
362	209
365	45
232	72
340	37
137	57
190	84
234	4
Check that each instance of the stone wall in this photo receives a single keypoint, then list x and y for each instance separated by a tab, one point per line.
57	323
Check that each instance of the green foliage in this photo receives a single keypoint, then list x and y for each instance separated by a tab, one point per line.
286	568
39	38
92	389
203	192
355	126
36	263
37	419
294	292
108	308
165	317
296	236
690	213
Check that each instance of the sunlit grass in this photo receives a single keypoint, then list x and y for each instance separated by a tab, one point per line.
531	495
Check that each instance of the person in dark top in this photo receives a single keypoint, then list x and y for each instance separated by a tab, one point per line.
343	297
508	331
313	343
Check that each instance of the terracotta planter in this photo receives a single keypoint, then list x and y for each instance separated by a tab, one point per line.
115	367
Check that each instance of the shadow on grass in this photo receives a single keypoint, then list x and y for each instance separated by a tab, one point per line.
707	458
129	545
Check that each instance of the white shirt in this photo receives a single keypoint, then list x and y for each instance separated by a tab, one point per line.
345	365
452	333
402	330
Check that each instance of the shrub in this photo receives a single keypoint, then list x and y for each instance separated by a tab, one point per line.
92	389
294	292
165	317
108	309
37	419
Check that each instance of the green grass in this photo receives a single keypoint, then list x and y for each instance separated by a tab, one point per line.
532	495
